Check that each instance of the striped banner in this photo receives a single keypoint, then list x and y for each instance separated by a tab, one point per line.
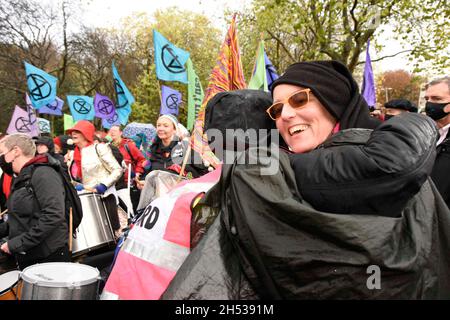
227	75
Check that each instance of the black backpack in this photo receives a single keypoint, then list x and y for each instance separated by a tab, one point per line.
72	200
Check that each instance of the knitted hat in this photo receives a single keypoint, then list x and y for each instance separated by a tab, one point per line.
171	118
333	85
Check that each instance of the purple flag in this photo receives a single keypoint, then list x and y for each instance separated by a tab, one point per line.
104	107
23	122
54	108
368	86
171	100
112	121
271	73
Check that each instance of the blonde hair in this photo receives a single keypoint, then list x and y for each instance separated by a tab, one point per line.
22	141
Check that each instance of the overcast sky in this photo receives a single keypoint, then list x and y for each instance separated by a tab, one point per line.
102	13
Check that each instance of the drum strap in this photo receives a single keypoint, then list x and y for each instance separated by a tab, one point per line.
102	161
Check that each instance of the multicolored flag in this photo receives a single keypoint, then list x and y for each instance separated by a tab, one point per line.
170	101
124	98
81	107
368	85
271	73
54	108
259	78
169	59
44	125
113	120
227	75
195	94
23	122
68	121
104	107
41	85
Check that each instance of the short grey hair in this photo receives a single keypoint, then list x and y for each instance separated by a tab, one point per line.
445	79
24	142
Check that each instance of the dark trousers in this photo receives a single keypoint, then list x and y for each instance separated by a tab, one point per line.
60	255
111	209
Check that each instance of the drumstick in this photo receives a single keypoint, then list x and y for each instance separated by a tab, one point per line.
1	214
70	229
188	152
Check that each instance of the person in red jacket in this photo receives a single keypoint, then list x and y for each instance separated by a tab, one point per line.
131	155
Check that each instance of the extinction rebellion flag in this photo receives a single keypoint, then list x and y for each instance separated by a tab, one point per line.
41	85
81	107
170	101
169	59
124	97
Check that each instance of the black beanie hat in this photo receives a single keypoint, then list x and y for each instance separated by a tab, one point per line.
47	141
333	85
402	104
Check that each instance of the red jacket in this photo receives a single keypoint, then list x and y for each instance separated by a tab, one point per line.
134	156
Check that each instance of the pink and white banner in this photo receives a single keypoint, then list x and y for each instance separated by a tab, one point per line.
157	245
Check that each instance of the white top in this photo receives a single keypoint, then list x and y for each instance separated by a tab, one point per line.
443	132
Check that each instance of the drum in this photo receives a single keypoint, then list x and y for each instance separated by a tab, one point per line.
9	288
95	229
60	281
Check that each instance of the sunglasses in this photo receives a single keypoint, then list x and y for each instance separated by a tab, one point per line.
296	100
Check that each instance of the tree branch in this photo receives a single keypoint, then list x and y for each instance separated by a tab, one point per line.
389	56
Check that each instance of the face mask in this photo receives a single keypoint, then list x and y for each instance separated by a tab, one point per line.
435	110
6	166
388	116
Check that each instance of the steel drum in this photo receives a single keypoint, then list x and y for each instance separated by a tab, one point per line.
9	288
95	229
60	281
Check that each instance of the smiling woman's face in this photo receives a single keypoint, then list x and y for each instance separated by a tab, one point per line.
304	128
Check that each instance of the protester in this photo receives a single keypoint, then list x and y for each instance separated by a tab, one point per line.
36	228
47	145
94	167
168	151
437	107
349	194
132	156
63	143
398	106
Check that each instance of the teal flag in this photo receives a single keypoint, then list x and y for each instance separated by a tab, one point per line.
41	86
81	107
124	98
169	60
195	95
259	79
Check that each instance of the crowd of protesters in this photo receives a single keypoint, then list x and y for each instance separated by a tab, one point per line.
343	160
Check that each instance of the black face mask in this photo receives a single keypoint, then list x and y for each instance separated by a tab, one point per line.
436	110
6	166
388	116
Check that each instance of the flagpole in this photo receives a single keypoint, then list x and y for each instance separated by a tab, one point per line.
160	94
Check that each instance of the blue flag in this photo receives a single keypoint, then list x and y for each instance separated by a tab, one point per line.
171	100
41	85
81	107
54	108
113	120
124	98
368	86
44	125
169	60
271	73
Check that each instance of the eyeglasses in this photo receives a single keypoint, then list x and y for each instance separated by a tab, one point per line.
296	100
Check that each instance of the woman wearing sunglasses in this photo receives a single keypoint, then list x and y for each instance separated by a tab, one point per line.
350	214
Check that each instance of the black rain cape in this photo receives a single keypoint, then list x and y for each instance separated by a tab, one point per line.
265	242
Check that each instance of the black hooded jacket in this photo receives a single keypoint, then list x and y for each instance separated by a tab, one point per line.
35	233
